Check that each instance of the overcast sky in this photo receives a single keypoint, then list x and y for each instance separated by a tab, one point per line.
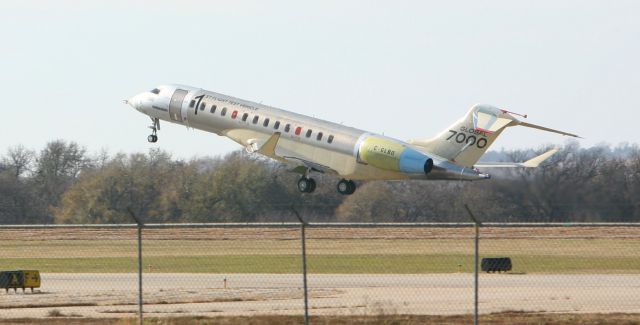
405	68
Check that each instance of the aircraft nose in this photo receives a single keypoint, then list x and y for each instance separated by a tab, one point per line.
134	102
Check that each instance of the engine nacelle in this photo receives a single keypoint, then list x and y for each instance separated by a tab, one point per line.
391	155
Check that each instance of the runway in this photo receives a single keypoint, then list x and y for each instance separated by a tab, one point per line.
114	295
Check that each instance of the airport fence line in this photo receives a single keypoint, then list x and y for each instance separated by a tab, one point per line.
227	269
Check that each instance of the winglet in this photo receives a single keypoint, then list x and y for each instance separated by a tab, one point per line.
531	163
269	148
536	161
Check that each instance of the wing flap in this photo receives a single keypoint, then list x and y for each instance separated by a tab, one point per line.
306	165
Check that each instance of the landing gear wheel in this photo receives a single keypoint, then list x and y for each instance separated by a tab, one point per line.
306	185
346	187
352	187
312	182
153	137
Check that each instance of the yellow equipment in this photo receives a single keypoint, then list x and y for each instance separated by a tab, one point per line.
19	279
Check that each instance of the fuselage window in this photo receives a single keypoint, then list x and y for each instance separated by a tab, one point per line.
319	136
276	125
224	111
244	117
309	132
192	103
234	114
298	130
213	109
155	91
255	119
266	122
287	128
202	105
330	139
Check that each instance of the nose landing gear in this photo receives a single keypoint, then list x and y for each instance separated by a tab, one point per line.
153	137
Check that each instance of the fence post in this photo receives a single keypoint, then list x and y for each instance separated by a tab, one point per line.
140	225
304	265
476	245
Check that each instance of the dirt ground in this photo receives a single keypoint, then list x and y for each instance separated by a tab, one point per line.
508	318
171	295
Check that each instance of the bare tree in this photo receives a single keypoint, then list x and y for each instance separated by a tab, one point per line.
19	159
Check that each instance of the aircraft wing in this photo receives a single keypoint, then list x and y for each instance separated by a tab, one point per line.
531	163
269	149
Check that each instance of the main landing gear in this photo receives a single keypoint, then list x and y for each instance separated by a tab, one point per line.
346	187
153	137
307	184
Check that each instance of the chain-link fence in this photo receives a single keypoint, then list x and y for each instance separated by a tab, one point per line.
353	269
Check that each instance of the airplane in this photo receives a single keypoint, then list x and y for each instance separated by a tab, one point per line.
312	145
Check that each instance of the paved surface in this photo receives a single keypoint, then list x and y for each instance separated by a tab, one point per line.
112	295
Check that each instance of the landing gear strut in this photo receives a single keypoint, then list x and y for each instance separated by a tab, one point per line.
346	187
306	184
153	137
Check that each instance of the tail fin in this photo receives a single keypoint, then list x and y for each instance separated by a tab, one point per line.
468	139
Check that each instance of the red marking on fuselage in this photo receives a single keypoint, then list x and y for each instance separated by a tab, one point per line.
484	130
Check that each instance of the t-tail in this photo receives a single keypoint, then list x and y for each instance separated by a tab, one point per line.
468	139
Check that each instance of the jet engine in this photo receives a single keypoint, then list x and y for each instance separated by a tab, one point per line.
391	155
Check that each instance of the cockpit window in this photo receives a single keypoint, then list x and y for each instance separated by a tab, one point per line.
155	91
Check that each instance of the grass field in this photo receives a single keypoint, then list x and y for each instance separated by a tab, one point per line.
402	256
393	264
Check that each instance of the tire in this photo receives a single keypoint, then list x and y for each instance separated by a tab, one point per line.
345	187
352	187
304	185
312	185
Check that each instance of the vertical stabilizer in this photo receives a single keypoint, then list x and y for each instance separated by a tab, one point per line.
468	139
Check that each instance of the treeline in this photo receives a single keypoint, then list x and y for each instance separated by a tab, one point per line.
63	183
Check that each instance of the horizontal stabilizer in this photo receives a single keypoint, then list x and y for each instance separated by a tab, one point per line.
529	125
531	163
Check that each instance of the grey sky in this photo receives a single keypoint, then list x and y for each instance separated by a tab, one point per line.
405	68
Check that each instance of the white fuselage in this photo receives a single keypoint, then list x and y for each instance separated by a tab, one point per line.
304	141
